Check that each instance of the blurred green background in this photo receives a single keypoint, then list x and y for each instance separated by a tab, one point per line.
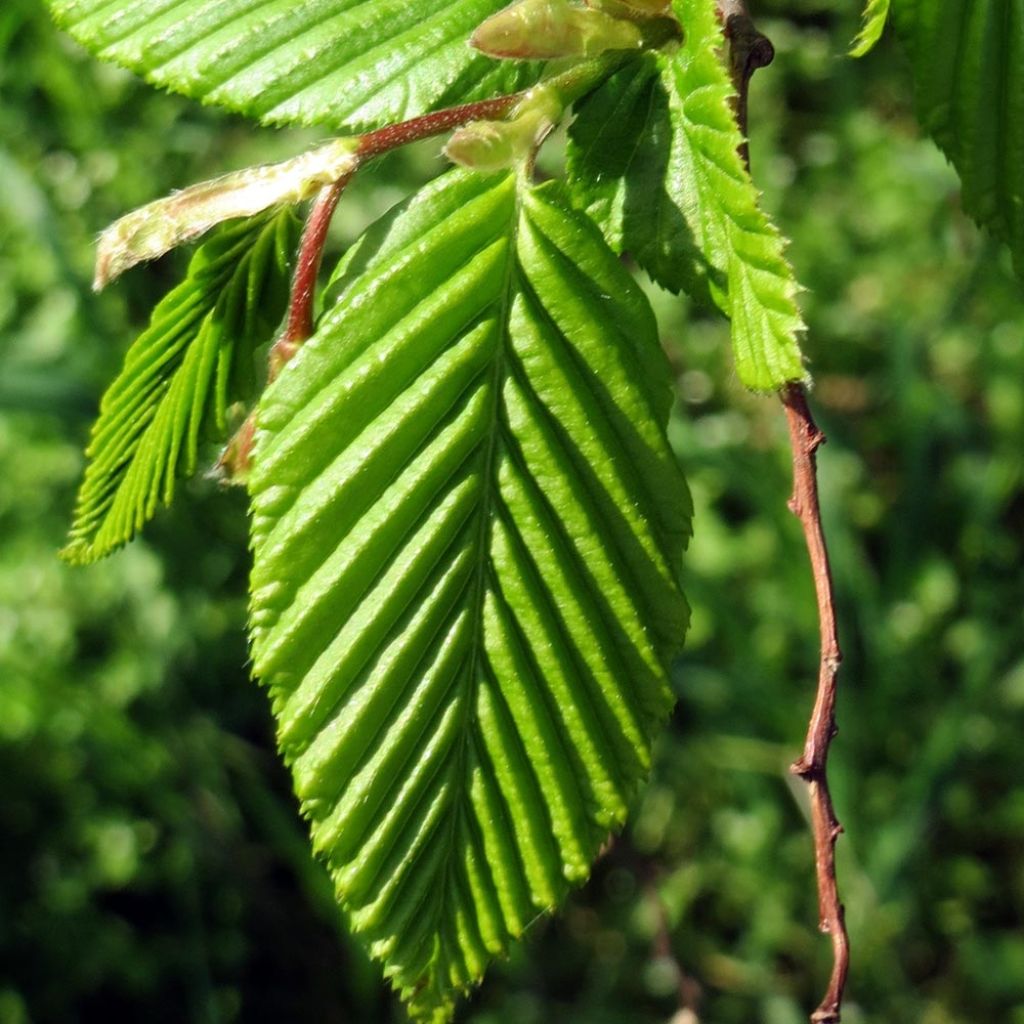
152	865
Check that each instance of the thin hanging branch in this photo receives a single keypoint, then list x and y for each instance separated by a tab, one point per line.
812	767
748	51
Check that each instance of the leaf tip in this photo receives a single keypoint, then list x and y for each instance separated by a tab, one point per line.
101	277
875	18
138	237
79	553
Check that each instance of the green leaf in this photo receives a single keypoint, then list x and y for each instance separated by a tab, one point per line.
467	527
654	159
968	60
621	163
876	14
179	380
348	64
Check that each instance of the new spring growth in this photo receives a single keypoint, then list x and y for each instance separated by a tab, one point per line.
156	228
549	29
495	145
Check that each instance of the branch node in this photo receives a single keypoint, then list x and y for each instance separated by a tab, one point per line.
749	50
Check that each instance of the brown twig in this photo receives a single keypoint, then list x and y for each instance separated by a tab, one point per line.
393	136
748	51
812	767
569	85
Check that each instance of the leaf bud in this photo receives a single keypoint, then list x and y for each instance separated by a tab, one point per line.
549	29
158	227
495	145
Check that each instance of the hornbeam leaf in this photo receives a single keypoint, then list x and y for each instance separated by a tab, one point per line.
654	158
968	60
348	64
179	379
467	528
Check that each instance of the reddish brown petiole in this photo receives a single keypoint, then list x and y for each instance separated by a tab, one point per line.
236	458
299	325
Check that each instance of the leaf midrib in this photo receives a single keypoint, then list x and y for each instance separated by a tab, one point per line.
485	513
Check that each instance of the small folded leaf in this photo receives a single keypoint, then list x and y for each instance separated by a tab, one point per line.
654	158
158	227
968	60
179	380
467	528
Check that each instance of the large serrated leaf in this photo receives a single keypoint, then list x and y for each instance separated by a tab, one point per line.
654	158
178	380
467	525
968	59
347	64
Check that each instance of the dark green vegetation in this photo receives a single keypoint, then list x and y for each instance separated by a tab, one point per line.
153	865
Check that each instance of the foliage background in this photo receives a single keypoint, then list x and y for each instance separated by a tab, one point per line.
152	864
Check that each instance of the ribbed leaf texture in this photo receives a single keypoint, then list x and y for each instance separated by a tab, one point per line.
654	158
876	15
968	60
467	531
179	379
348	64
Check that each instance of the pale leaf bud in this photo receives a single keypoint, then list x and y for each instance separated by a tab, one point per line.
549	29
495	145
158	227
